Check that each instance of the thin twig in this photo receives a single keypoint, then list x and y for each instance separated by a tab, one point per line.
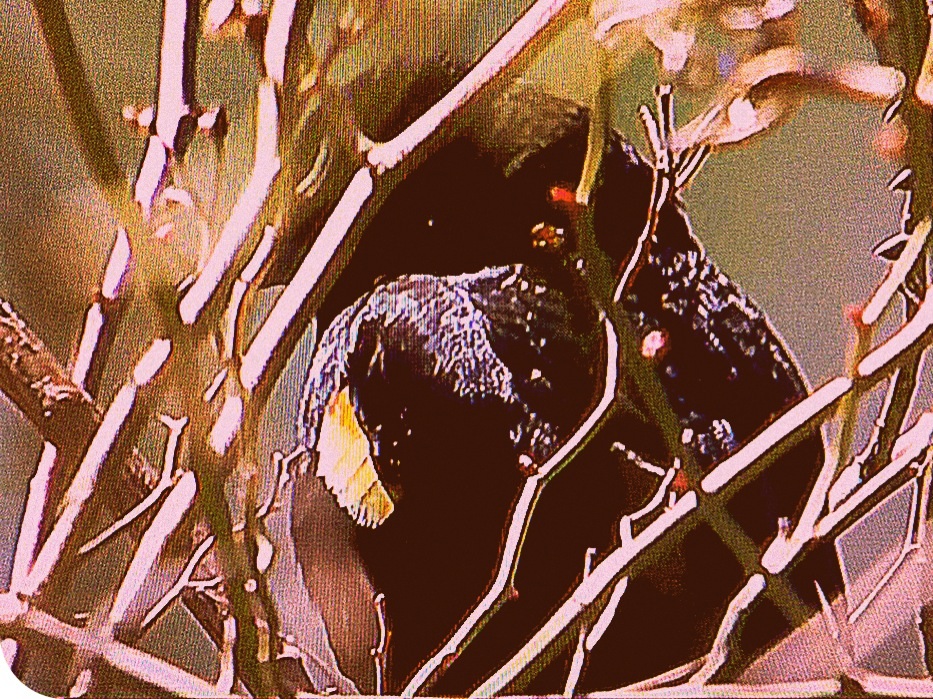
379	651
897	273
84	480
91	357
306	278
153	542
681	672
619	562
184	580
175	427
242	218
539	16
519	521
31	524
579	654
175	101
227	674
719	653
17	616
808	688
607	573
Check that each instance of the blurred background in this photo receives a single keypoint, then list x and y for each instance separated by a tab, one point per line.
792	216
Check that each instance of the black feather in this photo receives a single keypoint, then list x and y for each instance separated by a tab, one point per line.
459	380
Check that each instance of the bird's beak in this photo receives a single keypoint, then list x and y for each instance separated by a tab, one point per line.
345	462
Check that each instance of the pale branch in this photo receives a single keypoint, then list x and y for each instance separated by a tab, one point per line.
183	582
18	619
607	573
637	459
910	544
249	204
379	651
606	616
778	690
238	292
276	43
903	389
681	672
218	13
656	501
153	542
227	425
545	15
853	474
97	335
909	451
165	482
282	465
81	684
175	102
65	416
659	535
542	14
312	268
897	273
579	653
30	526
41	388
719	653
660	192
226	675
85	479
519	521
671	172
215	385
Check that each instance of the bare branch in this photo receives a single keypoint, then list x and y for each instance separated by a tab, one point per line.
306	278
266	167
184	580
91	356
606	573
84	480
238	291
150	548
175	102
719	653
379	652
384	156
166	482
897	273
667	678
17	617
227	675
519	521
33	379
31	524
579	654
280	22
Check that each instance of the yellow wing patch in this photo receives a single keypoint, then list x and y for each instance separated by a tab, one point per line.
345	463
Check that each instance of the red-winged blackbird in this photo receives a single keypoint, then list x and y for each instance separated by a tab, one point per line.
432	394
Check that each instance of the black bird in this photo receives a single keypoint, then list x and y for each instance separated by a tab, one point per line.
433	395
